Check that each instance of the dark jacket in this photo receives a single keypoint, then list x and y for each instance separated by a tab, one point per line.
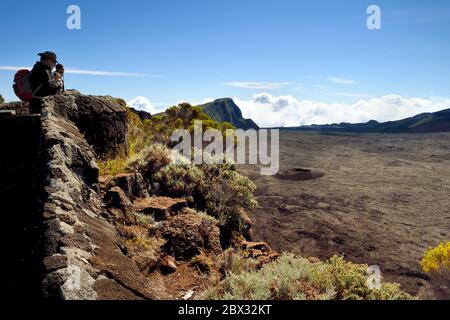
41	74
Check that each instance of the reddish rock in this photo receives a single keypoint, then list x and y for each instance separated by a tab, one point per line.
145	261
55	262
108	289
167	265
160	208
314	260
189	234
260	251
120	207
132	184
116	198
245	225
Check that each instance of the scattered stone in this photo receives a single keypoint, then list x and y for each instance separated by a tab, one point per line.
116	198
132	184
70	219
260	251
314	260
188	295
55	262
167	265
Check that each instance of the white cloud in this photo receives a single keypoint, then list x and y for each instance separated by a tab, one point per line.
91	72
276	111
142	103
207	100
318	86
11	68
257	85
342	80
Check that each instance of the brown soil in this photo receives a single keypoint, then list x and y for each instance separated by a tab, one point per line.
376	199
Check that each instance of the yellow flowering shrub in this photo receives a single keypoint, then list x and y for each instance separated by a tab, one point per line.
437	259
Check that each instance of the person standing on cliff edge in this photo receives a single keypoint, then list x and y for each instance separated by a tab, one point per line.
42	81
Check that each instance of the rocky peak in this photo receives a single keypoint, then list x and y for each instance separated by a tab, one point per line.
225	110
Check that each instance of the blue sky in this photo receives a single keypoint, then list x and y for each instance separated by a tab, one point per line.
193	50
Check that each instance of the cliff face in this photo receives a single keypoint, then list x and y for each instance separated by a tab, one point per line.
74	235
72	252
82	259
102	120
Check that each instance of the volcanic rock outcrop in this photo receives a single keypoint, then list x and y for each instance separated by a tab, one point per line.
89	237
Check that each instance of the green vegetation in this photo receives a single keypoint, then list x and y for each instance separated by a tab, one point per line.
160	127
143	134
150	160
292	277
1	99
225	191
217	190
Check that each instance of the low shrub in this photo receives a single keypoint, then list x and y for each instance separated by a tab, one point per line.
295	278
179	181
150	160
437	260
137	238
436	263
111	167
234	263
225	193
216	189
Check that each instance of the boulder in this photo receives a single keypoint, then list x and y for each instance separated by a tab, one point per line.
132	184
102	120
188	235
116	198
260	251
167	265
145	261
120	207
245	225
160	208
55	262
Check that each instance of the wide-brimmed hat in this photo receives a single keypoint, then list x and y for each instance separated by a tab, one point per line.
49	54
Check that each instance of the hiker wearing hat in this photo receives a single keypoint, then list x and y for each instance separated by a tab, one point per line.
41	79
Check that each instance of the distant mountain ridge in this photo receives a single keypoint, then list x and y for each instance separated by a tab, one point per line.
422	123
225	110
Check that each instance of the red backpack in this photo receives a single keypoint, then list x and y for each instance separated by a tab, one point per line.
22	85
